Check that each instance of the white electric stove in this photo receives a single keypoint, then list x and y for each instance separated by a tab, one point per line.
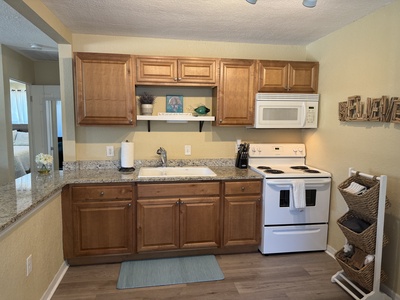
285	227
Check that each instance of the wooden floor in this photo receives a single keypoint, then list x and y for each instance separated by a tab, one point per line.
303	276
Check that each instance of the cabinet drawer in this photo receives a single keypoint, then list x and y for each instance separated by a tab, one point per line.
178	189
101	192
242	187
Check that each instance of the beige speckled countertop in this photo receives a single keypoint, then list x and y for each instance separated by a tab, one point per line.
18	199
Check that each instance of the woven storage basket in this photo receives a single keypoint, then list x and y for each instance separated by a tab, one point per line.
365	240
365	204
364	277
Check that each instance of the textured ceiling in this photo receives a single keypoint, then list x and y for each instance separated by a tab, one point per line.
285	22
18	33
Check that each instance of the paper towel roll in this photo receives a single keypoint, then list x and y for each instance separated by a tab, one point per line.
127	155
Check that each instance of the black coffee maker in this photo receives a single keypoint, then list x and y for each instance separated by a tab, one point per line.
242	158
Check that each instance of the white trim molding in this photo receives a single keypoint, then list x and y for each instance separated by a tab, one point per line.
55	282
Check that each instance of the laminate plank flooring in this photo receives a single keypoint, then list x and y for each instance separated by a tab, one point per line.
300	276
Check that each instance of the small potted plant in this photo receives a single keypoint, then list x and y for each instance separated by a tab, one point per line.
146	100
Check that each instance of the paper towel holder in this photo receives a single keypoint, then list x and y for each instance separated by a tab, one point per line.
126	170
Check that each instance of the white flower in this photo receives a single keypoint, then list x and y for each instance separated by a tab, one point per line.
45	159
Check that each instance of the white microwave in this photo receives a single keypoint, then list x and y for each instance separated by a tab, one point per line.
281	110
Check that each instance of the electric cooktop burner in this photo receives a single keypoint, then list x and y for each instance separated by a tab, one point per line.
299	167
264	168
312	171
272	171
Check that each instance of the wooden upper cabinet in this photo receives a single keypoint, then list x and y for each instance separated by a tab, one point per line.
176	71
288	77
235	97
104	89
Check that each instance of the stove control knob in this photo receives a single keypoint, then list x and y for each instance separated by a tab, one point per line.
301	151
259	150
295	151
253	150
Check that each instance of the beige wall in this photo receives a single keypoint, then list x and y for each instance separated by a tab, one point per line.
47	73
361	59
41	236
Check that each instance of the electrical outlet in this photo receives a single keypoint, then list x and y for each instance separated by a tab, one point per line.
188	150
29	265
110	150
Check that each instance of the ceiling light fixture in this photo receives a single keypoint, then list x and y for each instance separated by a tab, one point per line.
35	46
252	1
309	3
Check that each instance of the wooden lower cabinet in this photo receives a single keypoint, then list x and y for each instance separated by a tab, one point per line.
242	213
169	222
105	223
97	220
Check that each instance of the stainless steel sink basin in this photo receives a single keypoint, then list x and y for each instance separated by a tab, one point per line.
176	172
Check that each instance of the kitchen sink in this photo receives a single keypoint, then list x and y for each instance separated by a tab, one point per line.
176	172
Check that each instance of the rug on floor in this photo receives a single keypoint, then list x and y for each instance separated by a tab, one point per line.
165	271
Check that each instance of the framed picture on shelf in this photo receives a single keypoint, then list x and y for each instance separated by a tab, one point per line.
174	104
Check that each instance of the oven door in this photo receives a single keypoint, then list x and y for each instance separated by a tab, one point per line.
278	202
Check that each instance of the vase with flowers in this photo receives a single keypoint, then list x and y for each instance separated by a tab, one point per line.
44	163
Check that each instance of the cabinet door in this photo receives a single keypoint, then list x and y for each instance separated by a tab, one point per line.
242	220
236	95
104	89
288	77
157	224
101	228
303	77
197	71
156	70
273	76
199	222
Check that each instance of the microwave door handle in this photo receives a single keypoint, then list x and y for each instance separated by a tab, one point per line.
303	114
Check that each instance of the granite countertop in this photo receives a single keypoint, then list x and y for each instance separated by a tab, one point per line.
19	198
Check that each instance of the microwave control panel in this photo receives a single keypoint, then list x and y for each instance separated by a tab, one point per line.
311	114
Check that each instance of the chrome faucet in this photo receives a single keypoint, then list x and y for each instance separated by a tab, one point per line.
163	154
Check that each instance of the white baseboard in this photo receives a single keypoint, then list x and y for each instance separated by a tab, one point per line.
55	282
389	292
331	252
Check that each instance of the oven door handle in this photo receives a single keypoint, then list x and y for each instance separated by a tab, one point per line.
308	182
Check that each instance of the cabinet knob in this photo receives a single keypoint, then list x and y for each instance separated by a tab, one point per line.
101	193
242	188
177	202
175	79
130	204
179	78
